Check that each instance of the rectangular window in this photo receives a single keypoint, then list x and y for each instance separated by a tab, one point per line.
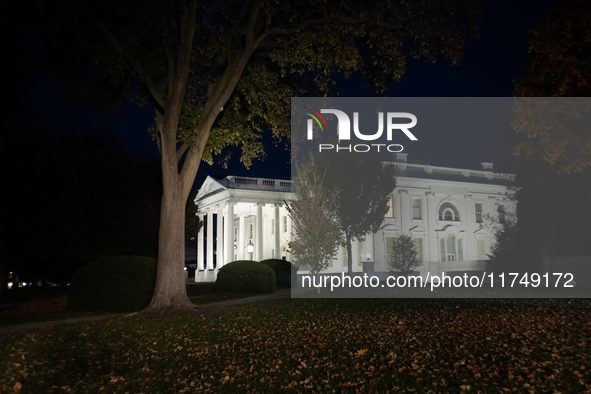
251	231
389	246
481	249
419	248
416	208
442	248
390	213
478	212
501	212
285	224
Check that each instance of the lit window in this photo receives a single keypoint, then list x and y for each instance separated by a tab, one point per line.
478	212
481	249
389	245
416	208
390	213
419	248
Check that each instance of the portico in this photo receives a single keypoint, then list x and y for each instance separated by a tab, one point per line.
246	211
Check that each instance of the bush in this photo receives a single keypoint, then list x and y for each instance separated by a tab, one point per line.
246	277
115	284
284	270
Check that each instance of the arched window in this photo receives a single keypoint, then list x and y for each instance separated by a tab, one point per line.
447	211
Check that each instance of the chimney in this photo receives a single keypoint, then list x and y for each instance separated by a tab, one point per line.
401	157
487	166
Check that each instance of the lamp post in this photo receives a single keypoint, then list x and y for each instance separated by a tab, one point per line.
250	248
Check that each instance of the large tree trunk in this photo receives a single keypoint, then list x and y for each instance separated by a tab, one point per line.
170	292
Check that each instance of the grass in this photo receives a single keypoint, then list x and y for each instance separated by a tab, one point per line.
322	345
42	311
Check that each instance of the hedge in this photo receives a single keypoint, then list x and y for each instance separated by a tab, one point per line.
245	277
284	270
114	284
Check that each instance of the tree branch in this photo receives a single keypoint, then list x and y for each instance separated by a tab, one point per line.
119	48
169	65
254	12
233	31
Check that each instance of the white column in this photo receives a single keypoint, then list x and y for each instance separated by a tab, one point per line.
355	254
209	260
220	238
229	255
242	234
200	244
277	245
259	237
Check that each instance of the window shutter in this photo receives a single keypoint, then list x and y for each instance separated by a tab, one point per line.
442	247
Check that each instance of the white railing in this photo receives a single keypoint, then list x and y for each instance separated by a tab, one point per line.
446	171
409	167
259	183
282	185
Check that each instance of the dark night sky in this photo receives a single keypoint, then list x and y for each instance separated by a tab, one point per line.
487	69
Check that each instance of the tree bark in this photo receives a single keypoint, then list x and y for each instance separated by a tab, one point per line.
170	291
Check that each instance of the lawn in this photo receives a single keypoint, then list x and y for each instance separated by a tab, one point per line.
329	345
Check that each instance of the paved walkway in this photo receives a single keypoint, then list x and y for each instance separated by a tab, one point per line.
213	306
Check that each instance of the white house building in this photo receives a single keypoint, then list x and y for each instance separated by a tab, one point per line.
440	207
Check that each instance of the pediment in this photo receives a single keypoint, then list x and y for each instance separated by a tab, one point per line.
210	185
390	227
417	229
481	231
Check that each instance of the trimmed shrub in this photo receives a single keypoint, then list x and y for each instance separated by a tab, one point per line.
245	277
114	284
283	271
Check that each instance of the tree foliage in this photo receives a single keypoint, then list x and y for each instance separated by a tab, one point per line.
513	249
557	131
314	219
363	185
403	256
349	199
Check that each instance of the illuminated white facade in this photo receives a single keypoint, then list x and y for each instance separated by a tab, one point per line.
440	207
